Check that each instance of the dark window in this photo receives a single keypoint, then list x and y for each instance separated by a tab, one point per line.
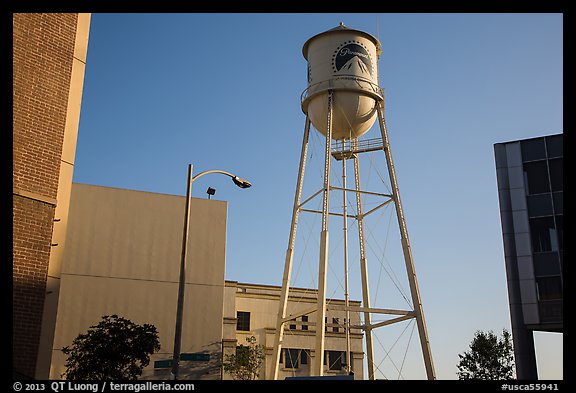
536	177
554	145
533	149
556	174
560	231
543	234
558	198
335	328
304	319
291	357
551	311
293	327
243	321
291	360
335	359
539	205
549	288
546	264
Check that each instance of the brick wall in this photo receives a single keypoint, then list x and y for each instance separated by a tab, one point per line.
43	49
32	228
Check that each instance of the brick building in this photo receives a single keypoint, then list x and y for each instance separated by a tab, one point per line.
49	58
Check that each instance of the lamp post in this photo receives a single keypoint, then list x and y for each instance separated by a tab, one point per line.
182	280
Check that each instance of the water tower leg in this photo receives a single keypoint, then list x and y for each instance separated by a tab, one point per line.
411	272
345	233
318	363
289	257
364	271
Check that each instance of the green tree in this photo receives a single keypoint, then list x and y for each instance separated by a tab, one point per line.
116	348
245	364
489	357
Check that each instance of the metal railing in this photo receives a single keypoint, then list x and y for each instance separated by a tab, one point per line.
359	84
347	148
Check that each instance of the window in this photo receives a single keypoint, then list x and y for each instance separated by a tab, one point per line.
555	145
543	234
560	231
539	205
335	328
291	357
243	321
556	174
549	288
303	325
533	149
536	177
558	198
551	311
336	359
305	319
546	264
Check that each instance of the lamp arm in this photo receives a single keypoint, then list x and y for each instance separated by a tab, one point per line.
213	171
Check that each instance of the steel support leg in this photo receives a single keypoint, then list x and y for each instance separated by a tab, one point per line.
273	373
346	294
318	362
364	270
414	289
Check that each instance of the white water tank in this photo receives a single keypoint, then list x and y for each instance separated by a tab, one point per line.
345	61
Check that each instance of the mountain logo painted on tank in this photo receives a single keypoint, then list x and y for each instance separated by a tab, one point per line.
352	57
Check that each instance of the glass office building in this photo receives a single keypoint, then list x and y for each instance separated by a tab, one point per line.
530	190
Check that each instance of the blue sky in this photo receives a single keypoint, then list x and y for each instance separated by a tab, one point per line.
222	91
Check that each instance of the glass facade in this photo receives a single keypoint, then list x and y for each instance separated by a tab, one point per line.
529	176
542	163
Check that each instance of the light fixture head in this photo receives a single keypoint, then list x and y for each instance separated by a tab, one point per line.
241	182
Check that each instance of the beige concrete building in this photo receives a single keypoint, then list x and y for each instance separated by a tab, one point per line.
252	309
122	257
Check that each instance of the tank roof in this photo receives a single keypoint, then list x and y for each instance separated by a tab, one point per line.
341	28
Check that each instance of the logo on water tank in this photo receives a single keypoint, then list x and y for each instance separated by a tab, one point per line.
352	57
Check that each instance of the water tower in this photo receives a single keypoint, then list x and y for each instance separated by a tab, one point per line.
343	100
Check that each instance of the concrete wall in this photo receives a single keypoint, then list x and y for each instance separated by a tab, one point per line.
123	257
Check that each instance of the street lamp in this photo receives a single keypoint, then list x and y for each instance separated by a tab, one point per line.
181	283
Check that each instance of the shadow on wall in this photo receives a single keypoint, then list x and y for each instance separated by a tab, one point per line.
27	308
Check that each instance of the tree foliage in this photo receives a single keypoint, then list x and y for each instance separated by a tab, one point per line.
116	349
489	357
245	364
